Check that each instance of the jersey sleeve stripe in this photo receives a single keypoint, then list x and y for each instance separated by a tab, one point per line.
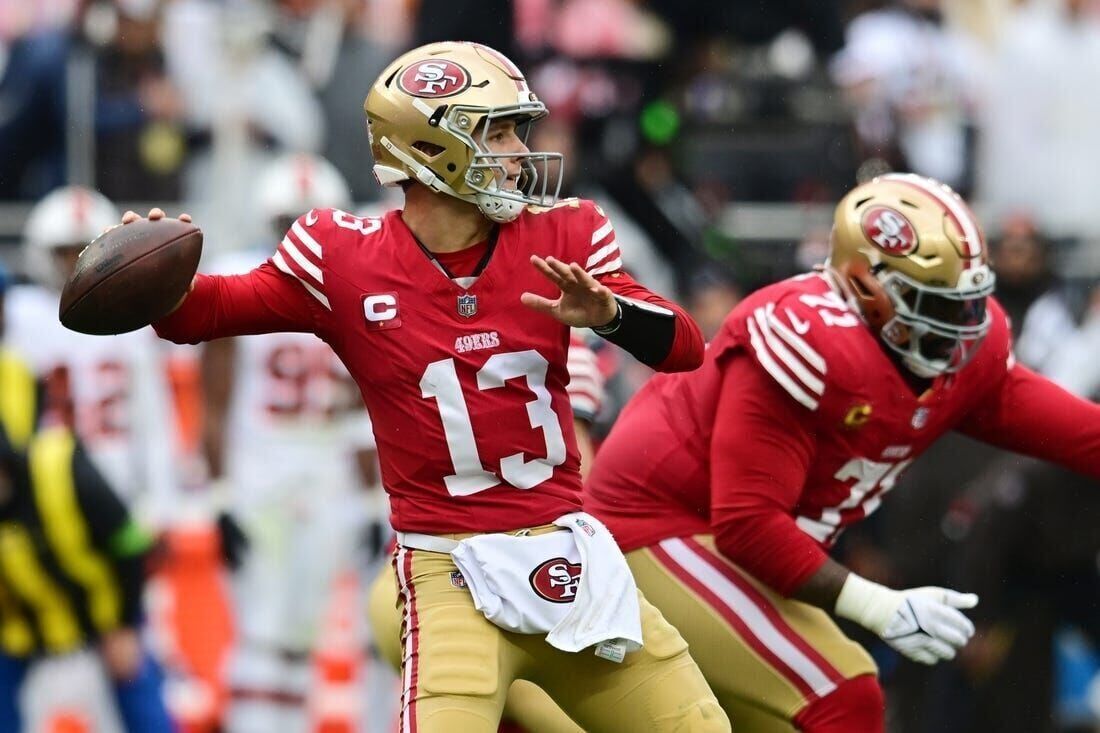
796	342
603	253
305	238
282	265
792	362
583	384
611	266
299	259
602	232
583	406
776	371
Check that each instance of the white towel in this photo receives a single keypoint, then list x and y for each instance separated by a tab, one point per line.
530	585
606	607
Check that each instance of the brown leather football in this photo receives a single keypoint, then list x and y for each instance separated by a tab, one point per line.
131	276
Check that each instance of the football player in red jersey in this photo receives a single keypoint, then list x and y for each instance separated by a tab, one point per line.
727	486
453	316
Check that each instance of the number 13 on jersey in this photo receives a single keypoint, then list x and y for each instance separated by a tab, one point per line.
440	382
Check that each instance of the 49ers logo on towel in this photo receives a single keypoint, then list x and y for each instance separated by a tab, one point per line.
435	78
889	230
556	580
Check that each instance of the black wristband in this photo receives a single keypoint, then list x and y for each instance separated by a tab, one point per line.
613	325
643	329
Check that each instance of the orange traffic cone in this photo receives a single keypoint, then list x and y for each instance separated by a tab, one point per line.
68	721
335	705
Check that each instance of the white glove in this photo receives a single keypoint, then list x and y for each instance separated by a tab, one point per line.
924	624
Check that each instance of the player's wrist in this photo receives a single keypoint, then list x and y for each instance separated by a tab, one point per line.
869	604
612	325
179	302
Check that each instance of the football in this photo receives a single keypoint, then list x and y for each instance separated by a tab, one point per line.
130	276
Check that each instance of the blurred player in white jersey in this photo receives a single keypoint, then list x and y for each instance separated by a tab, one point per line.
113	395
113	392
287	438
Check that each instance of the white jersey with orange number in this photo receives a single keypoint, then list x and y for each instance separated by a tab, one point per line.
113	391
295	416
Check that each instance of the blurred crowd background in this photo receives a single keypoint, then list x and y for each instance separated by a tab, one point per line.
717	135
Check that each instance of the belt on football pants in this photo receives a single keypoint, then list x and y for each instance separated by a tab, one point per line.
447	544
427	542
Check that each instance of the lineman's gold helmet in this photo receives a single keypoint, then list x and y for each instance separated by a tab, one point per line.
912	257
428	115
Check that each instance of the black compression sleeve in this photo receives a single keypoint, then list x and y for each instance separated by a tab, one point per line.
647	331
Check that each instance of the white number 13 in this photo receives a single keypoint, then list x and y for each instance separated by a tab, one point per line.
440	381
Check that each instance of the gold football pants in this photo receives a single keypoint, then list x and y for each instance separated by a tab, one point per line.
457	667
765	656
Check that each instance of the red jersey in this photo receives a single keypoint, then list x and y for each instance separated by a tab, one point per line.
466	387
798	424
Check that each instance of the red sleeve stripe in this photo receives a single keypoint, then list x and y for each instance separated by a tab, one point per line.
611	266
795	341
602	232
810	377
304	237
603	253
281	263
781	364
303	263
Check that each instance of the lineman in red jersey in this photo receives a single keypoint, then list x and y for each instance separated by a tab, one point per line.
727	486
453	316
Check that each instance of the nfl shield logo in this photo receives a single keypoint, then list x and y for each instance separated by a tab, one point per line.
920	418
467	305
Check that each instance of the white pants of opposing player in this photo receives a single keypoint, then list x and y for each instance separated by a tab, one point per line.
300	538
74	684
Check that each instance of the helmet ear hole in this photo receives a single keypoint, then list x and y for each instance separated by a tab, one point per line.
430	151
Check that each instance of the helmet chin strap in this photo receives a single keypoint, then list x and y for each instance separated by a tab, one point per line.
499	210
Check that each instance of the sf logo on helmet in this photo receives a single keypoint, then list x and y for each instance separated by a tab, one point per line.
889	231
432	79
556	580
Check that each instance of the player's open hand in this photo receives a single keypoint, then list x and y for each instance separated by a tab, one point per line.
584	303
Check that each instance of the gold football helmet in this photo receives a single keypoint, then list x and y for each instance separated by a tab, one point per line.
912	258
428	116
